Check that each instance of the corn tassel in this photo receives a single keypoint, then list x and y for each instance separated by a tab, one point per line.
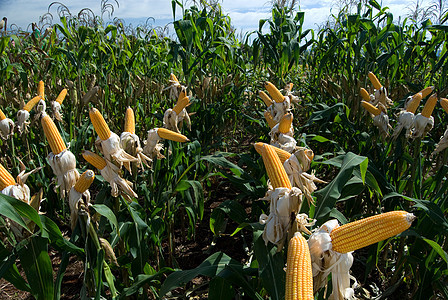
53	136
444	104
29	106
429	106
285	123
274	168
171	135
426	91
299	275
61	96
100	125
84	181
414	103
271	122
274	92
94	159
364	94
265	98
376	83
181	104
129	121
6	178
370	108
368	231
41	90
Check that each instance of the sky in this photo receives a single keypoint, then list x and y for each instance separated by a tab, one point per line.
245	15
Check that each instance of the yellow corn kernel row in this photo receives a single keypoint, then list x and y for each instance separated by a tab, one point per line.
129	121
362	233
370	108
2	115
414	103
181	104
282	154
100	125
375	82
426	91
171	135
444	104
271	122
365	95
94	159
61	96
265	98
274	167
274	92
299	275
53	136
285	123
29	106
6	178
84	181
182	94
429	106
41	90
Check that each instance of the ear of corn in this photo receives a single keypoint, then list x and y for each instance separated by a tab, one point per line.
2	115
429	106
6	178
129	121
173	78
282	154
94	159
289	86
53	136
269	119
265	98
299	275
362	233
309	153
29	106
99	124
444	104
171	135
84	181
61	96
41	90
182	94
181	104
414	103
426	91
370	108
274	92
364	94
274	168
285	123
376	83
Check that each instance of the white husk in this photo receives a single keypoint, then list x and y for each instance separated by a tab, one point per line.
175	87
22	120
111	174
64	167
380	96
131	144
174	121
405	120
152	148
382	122
56	108
6	128
283	201
75	199
278	110
283	141
325	260
422	125
443	143
111	149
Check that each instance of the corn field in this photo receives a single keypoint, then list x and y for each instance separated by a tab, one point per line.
285	163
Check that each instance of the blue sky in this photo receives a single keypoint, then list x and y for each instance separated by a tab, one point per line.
244	14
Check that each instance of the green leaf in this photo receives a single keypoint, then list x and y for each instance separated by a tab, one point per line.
220	289
106	212
438	249
15	209
144	279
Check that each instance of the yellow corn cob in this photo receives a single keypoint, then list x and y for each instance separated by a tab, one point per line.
129	121
289	86
414	103
2	115
6	178
84	181
94	159
274	168
309	153
370	108
282	154
362	233
426	91
429	106
181	104
32	103
274	92
376	83
99	124
365	95
173	78
299	275
182	94
53	136
61	96
265	98
41	90
285	123
269	119
171	135
444	103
